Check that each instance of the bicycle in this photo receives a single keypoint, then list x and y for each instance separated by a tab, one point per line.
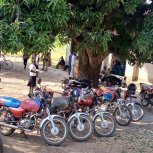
6	64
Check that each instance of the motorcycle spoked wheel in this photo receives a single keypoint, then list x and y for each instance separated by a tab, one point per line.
80	132
105	127
125	117
52	137
137	112
6	131
144	102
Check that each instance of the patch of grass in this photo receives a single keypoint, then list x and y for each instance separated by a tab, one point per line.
56	53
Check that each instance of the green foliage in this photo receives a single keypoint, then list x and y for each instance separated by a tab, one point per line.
31	25
120	26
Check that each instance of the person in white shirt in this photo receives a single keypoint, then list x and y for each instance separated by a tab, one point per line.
32	77
37	61
73	58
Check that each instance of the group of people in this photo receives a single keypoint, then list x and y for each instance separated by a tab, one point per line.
36	57
72	64
34	67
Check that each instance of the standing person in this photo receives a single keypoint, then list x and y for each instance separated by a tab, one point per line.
49	58
70	58
73	58
25	60
46	57
76	67
32	76
37	61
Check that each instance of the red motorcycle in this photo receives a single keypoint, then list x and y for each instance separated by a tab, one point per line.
146	94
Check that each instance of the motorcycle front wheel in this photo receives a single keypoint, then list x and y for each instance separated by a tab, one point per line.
123	116
82	131
54	136
104	126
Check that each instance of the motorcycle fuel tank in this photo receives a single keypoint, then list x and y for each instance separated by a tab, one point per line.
86	101
31	105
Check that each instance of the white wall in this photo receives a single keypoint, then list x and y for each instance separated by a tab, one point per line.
145	73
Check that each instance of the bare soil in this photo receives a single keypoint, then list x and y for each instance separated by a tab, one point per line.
135	138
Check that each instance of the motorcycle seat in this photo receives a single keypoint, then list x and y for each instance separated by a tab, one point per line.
147	87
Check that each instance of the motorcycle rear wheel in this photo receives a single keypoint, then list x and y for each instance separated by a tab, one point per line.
121	120
6	131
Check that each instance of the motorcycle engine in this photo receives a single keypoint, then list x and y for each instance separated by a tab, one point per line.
28	122
25	123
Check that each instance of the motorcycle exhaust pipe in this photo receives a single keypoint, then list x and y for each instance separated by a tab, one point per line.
12	126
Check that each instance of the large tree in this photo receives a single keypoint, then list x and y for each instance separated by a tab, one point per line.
95	27
98	27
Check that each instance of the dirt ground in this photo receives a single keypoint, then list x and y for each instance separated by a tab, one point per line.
135	138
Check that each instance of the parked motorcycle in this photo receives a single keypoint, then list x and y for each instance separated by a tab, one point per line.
82	93
113	103
146	94
79	123
28	115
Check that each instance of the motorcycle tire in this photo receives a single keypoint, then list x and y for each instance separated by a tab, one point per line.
57	121
129	119
104	126
144	102
73	125
8	130
1	145
138	106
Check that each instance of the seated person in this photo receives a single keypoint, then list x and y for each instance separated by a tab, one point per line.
61	62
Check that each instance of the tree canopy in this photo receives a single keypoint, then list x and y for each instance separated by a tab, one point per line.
121	26
31	25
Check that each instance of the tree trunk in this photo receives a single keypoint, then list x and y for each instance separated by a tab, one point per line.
89	64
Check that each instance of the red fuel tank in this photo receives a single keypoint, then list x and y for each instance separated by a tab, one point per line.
31	105
86	101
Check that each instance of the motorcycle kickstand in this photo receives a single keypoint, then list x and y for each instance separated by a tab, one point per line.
25	136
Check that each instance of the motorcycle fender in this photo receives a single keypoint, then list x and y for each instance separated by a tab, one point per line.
47	118
75	115
99	113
